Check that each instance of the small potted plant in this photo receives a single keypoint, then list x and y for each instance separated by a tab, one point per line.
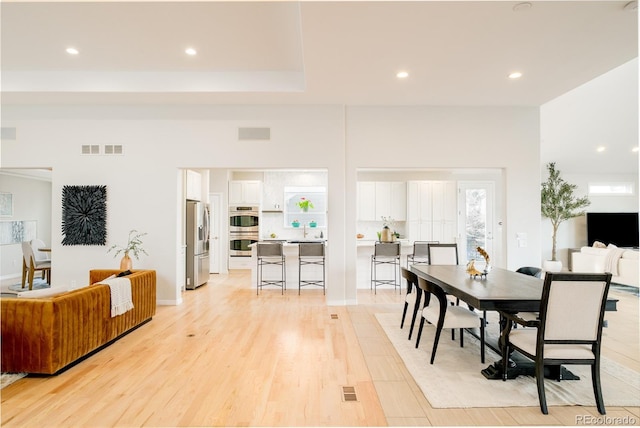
558	203
304	204
134	246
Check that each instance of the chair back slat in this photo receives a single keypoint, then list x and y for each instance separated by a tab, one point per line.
443	254
386	249
311	249
573	310
270	249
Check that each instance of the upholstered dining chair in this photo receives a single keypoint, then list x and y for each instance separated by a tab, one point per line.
531	271
442	254
36	244
30	266
420	252
412	298
442	315
569	330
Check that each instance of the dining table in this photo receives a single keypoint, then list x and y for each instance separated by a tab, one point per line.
500	290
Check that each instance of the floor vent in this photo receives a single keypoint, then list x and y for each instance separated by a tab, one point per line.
191	335
334	316
349	393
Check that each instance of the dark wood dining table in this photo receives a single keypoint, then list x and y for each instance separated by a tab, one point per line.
500	290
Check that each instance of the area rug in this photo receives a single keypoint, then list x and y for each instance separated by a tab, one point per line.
455	381
7	379
38	284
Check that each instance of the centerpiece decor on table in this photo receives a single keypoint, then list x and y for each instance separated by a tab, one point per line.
471	269
134	246
304	204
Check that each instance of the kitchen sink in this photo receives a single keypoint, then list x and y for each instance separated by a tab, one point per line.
305	241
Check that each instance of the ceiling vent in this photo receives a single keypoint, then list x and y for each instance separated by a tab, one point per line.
113	149
8	133
263	134
90	149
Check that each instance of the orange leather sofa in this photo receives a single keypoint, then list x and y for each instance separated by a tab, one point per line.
47	335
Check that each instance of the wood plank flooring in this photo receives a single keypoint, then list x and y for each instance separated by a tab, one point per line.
227	357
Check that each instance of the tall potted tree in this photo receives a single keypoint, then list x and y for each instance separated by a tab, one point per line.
559	203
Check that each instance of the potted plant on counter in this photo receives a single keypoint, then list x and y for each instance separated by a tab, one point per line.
559	203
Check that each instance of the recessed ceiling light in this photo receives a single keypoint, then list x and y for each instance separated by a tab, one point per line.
522	6
402	75
515	75
635	149
190	51
601	149
72	51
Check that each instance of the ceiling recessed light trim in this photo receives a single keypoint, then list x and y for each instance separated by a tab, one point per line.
601	149
191	51
515	75
635	149
402	74
72	51
522	6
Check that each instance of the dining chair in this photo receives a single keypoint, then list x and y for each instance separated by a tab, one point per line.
440	313
36	244
311	253
531	271
30	266
385	254
420	252
270	254
413	297
442	254
569	330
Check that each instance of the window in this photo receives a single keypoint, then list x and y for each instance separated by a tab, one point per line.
317	196
611	188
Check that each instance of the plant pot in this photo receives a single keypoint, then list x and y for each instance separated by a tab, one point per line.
552	265
313	224
126	263
295	224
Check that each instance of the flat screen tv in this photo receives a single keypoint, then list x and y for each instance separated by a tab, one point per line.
619	229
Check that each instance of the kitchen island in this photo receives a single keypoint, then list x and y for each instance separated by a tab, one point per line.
290	249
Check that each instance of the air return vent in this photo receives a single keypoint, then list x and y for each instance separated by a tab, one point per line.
90	149
263	134
113	149
8	133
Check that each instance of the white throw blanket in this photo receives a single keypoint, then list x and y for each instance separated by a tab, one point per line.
611	260
121	300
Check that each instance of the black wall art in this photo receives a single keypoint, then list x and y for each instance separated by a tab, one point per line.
84	215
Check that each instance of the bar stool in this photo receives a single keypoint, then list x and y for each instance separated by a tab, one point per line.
270	254
385	253
311	253
420	252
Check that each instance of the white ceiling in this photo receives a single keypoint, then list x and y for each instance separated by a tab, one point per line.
327	52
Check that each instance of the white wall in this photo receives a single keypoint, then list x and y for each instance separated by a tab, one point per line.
603	111
143	189
31	201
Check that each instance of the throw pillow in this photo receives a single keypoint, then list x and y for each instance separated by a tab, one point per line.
598	244
124	273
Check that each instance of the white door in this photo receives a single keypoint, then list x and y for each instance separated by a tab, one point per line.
475	225
215	208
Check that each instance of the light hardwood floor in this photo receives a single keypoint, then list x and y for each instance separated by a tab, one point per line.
227	357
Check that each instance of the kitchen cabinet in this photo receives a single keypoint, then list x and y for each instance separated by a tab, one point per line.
246	192
194	185
432	211
377	199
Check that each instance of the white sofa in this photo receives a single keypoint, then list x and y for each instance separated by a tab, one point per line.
624	269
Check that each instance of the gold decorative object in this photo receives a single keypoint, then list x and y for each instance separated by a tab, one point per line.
471	269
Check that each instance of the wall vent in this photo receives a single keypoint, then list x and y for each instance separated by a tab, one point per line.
113	149
263	134
8	133
90	149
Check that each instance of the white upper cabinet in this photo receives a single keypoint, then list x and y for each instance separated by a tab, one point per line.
382	199
432	212
194	185
245	192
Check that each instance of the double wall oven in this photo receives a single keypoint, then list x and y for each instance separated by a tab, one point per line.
244	229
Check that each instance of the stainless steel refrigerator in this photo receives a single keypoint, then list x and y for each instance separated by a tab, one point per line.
197	229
